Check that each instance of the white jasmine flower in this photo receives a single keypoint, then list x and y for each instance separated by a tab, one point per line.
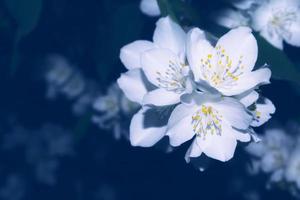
260	107
228	66
262	112
163	65
150	8
216	124
157	76
278	21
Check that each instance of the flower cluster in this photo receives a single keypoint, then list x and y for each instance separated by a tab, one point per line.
275	20
190	89
278	154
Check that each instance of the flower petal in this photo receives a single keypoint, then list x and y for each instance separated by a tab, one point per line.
194	151
133	85
155	62
233	112
161	97
248	81
245	52
180	125
248	98
197	48
130	54
263	112
242	136
219	147
170	35
144	134
150	7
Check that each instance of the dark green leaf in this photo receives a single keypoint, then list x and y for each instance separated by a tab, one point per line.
26	13
282	68
167	9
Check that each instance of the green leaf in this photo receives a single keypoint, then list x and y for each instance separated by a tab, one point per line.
282	68
166	9
26	13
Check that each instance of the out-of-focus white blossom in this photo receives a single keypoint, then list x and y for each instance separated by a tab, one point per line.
114	111
278	21
278	154
64	79
150	8
272	151
275	20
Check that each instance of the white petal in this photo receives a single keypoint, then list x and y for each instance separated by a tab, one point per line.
248	81
133	86
248	98
197	48
263	112
294	38
142	134
161	97
157	61
240	45
180	112
170	35
150	7
180	125
241	136
233	112
194	151
219	147
130	54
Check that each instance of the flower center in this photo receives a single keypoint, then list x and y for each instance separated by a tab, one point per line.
207	121
281	21
173	78
224	72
